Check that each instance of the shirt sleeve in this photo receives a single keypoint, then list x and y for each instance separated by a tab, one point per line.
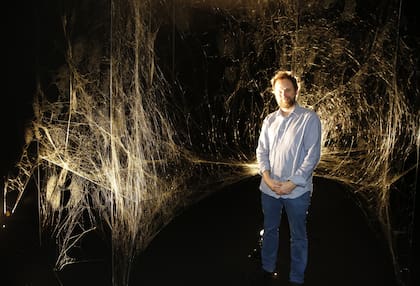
312	152
263	154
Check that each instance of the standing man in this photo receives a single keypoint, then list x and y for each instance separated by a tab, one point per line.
288	151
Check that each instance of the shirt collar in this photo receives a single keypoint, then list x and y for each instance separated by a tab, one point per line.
296	111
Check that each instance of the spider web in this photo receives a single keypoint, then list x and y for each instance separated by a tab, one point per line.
158	104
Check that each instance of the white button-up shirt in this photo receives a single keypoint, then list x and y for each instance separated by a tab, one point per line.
290	148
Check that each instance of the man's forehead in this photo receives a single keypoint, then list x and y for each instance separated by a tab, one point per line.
283	84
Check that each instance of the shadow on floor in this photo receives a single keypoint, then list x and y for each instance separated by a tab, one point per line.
213	242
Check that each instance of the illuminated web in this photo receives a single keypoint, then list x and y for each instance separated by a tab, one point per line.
158	104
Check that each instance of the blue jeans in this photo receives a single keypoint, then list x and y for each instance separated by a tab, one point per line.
296	210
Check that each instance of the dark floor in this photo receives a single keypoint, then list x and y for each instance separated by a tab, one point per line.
214	242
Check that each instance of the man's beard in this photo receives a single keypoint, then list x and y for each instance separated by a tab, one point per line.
288	102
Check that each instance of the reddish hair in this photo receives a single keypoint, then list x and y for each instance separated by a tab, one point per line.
285	75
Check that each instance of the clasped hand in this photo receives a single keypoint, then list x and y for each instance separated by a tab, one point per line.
281	187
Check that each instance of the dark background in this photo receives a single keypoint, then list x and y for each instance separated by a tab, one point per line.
31	41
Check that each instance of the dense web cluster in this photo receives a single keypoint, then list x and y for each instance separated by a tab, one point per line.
156	104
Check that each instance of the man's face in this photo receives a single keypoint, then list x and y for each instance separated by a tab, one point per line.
284	93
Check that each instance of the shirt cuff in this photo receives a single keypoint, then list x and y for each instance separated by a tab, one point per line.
298	180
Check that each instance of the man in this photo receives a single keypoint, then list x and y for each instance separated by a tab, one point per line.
287	153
